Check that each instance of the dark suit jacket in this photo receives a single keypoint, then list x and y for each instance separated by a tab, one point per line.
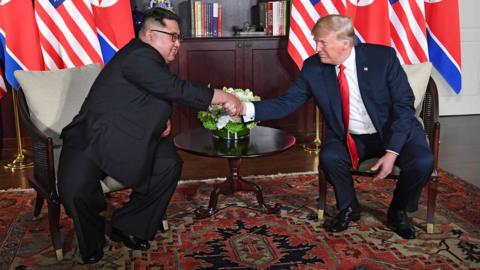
383	85
120	123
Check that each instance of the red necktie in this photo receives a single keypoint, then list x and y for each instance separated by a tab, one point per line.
345	99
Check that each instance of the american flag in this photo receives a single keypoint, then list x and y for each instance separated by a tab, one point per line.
401	24
79	32
68	33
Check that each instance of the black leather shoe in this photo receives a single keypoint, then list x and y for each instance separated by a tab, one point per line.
342	219
94	258
130	241
97	254
398	221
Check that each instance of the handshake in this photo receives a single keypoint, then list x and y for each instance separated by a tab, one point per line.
230	102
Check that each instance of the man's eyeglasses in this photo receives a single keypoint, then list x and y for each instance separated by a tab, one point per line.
174	36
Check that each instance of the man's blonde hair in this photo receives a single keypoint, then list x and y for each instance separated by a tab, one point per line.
341	25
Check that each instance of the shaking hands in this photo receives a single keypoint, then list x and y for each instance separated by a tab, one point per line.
230	102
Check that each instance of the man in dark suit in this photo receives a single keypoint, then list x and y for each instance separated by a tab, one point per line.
367	103
122	131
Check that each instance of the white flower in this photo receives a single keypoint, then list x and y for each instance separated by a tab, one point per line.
222	121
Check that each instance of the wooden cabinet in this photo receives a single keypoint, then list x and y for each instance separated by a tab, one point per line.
261	64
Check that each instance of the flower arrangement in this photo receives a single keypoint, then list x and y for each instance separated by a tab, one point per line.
224	125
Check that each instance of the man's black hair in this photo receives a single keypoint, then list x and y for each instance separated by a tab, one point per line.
159	14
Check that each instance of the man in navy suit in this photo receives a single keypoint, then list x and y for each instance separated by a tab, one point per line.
381	119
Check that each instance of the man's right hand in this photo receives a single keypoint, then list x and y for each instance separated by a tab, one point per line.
230	102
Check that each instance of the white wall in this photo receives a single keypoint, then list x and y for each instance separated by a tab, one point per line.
468	101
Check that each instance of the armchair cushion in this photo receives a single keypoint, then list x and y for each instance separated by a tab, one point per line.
418	76
55	97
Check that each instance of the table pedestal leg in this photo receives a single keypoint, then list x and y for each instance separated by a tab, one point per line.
234	183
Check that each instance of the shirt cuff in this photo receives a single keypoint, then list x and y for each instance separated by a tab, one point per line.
393	152
249	112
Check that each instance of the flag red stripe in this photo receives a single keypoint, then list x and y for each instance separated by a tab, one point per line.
59	35
400	47
303	13
80	35
297	58
298	32
48	48
322	11
341	8
402	17
419	16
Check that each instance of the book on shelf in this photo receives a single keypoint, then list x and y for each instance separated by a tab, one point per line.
201	18
275	17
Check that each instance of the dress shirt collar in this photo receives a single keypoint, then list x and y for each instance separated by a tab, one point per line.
349	63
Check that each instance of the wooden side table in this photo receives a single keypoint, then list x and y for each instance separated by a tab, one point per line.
261	142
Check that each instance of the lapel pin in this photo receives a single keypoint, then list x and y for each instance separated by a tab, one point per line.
365	68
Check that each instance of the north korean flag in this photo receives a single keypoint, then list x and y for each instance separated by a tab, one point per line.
443	35
114	25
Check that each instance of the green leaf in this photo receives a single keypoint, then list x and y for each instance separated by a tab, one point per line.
235	127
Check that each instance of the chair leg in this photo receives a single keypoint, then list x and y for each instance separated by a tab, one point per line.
431	204
165	224
38	206
54	225
322	195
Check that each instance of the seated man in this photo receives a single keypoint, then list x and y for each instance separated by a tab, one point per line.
121	131
367	103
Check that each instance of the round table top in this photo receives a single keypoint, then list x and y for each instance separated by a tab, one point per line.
262	141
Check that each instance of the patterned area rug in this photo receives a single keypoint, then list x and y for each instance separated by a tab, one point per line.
240	237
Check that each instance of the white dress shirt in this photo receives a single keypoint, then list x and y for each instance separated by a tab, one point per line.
359	122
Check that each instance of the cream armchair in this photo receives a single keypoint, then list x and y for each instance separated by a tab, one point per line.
48	102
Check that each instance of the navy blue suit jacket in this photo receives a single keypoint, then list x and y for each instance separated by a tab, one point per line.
383	85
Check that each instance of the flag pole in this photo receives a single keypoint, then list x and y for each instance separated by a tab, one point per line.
19	162
315	145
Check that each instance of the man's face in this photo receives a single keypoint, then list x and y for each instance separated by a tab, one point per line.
330	49
164	42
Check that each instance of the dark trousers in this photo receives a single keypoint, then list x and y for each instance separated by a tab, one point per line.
415	162
83	199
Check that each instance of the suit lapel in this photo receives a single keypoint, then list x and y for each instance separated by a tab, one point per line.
362	72
364	77
331	83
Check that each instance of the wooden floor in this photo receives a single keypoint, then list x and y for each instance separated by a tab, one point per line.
459	154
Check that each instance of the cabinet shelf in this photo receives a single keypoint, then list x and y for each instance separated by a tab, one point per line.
234	13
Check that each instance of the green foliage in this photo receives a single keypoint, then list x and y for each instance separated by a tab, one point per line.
207	119
235	127
210	117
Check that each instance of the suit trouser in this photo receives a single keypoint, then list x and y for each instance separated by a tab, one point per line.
415	162
83	199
